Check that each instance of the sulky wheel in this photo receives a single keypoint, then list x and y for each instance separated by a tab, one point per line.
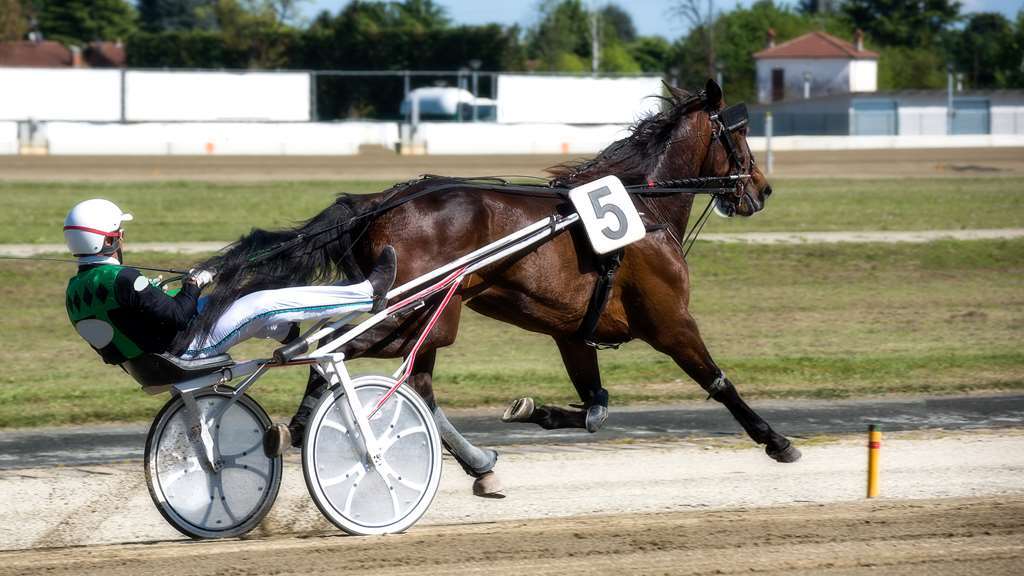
200	502
355	495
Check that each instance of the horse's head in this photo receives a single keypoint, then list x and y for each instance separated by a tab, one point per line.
711	140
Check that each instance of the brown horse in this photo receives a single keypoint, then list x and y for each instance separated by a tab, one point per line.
546	290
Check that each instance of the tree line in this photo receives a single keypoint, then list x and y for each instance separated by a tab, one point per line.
918	40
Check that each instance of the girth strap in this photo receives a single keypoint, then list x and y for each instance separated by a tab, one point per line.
607	266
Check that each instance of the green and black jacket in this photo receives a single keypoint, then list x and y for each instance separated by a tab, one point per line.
122	315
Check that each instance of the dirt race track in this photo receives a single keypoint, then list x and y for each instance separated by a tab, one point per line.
952	504
955	536
380	164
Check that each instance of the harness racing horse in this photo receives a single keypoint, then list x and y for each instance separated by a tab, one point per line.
431	221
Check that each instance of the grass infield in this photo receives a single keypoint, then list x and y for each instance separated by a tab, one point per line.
183	211
808	321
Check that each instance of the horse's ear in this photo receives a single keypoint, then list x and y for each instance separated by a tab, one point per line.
677	94
712	93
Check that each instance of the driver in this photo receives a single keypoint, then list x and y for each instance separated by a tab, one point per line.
123	315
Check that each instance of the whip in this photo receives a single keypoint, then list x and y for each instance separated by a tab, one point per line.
149	268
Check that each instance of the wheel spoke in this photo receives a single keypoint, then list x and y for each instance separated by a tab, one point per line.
398	412
224	501
334	425
233	466
209	508
390	441
395	507
389	471
347	511
328	482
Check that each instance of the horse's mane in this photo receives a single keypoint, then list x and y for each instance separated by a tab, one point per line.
636	155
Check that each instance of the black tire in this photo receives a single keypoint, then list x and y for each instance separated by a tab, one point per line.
255	478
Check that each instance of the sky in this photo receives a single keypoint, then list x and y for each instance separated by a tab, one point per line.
651	17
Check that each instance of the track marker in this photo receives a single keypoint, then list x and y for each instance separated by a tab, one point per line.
874	446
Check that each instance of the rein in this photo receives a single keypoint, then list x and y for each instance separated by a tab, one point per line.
709	185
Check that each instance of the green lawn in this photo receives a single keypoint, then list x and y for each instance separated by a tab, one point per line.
820	321
180	211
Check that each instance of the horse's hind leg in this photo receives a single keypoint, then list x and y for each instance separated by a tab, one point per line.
474	461
679	338
581	364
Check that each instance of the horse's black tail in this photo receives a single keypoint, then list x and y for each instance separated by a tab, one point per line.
317	251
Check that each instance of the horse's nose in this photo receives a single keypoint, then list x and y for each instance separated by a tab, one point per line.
767	191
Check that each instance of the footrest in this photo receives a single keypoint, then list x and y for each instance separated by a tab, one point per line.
289	351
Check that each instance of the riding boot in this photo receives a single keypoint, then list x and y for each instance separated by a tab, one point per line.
298	422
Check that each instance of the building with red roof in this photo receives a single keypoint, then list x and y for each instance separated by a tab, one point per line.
49	54
815	64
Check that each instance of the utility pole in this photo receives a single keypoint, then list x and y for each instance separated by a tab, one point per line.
711	41
950	112
595	43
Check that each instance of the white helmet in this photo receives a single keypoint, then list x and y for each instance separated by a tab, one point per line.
87	226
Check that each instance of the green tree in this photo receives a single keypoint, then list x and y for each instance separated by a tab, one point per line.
79	22
13	21
1017	72
616	58
986	51
618	21
910	23
651	53
160	15
563	29
422	14
562	39
252	28
902	68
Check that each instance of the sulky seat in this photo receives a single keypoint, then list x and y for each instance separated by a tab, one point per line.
165	370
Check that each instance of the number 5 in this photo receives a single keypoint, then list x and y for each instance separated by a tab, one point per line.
600	210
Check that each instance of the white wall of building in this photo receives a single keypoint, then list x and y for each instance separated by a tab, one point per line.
863	75
8	138
828	76
60	94
575	99
189	138
218	96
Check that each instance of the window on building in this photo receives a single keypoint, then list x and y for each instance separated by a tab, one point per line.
778	84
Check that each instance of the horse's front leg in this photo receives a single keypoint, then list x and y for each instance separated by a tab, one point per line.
581	364
677	335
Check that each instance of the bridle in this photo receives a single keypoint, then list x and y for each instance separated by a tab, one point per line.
725	122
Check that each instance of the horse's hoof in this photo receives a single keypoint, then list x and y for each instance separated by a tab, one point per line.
788	454
488	485
596	415
519	411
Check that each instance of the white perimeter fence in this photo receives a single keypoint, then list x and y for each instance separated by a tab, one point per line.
130	112
345	138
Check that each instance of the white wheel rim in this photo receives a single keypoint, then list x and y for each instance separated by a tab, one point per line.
364	499
205	502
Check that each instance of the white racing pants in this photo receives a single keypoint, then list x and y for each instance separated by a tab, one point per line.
270	313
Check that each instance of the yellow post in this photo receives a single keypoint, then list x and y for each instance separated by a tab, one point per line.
874	445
